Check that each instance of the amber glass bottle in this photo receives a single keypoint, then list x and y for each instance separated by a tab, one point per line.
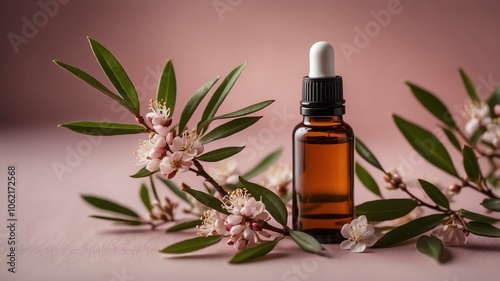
323	152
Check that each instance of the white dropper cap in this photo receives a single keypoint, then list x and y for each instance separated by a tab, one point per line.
321	62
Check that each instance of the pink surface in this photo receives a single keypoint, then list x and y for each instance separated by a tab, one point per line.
424	42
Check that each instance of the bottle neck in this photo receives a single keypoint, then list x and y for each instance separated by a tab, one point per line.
323	120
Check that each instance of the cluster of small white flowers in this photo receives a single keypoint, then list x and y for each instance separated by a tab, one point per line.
244	224
165	150
278	177
478	115
225	172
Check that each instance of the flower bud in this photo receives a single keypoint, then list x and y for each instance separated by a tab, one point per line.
455	188
256	226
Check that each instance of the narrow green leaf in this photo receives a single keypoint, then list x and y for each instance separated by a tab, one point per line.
206	199
229	128
409	230
474	138
107	205
426	144
87	78
433	104
431	246
219	95
192	245
176	190
385	209
274	204
470	164
167	87
116	74
453	139
184	225
153	188
494	100
194	102
434	193
478	217
220	154
483	229
256	251
144	193
103	128
143	172
264	164
367	180
366	154
491	204
242	112
305	241
469	86
118	220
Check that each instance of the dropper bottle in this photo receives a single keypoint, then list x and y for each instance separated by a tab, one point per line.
323	153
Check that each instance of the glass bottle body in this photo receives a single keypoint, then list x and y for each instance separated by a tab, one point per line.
323	182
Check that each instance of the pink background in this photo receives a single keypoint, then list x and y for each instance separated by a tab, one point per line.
423	41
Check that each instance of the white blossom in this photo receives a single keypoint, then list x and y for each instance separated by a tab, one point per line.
159	117
213	224
452	234
478	114
225	172
189	143
359	235
178	161
492	134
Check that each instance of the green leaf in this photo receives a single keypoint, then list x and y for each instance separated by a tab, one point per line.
87	78
494	100
107	205
483	229
470	164
305	241
207	200
229	128
385	209
366	154
116	74
433	104
194	102
469	86
153	188
145	197
256	251
184	225
452	138
274	204
220	154
478	217
426	144
118	220
143	172
434	193
219	95
264	164
167	87
367	180
176	190
242	112
409	230
192	245
103	128
431	246
491	204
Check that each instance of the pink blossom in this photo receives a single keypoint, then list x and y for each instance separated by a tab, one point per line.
178	161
